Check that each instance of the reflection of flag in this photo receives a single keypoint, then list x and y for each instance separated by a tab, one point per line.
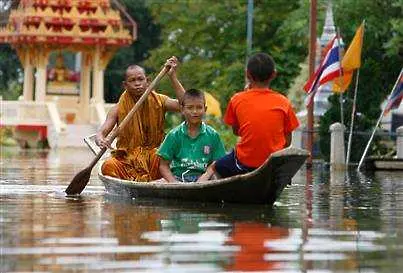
350	62
397	94
328	69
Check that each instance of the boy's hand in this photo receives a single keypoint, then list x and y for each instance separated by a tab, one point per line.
208	174
163	180
204	177
172	63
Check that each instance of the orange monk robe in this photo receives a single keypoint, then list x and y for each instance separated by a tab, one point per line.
135	157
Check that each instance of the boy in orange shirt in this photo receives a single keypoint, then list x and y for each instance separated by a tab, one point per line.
262	117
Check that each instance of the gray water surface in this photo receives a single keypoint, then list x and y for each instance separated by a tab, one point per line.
323	222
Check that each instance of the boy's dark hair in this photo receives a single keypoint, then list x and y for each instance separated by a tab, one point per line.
193	93
260	67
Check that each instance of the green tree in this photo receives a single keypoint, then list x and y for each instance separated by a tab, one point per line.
10	73
210	39
382	60
148	37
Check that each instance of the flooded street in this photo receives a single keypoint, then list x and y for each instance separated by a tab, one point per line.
322	223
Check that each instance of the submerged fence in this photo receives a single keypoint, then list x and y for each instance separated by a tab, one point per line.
387	143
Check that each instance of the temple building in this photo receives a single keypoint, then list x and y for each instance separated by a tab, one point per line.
64	47
321	103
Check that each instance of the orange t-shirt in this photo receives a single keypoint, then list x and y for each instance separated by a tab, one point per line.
264	118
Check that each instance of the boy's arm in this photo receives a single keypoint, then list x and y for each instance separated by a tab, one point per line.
207	174
235	129
231	119
288	140
166	171
106	128
166	152
173	105
291	125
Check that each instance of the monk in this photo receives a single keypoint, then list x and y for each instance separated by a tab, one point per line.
135	158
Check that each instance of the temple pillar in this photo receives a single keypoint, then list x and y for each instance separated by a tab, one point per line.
97	76
40	84
100	94
85	75
28	77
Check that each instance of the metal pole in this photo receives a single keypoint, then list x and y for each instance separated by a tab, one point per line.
353	110
249	28
312	51
341	108
249	34
370	140
350	136
341	79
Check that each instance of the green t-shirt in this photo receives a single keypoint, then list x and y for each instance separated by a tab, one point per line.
191	155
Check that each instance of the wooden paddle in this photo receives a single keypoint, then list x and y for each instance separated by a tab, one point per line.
81	179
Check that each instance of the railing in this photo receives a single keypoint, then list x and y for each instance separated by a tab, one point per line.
98	112
54	116
13	113
33	113
23	112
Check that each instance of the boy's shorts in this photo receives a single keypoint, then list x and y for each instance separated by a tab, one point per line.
229	165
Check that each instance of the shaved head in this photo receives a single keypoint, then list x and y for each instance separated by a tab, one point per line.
134	67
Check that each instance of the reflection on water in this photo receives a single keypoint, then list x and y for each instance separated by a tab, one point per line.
324	222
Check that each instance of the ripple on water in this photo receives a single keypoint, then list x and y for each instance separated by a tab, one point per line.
323	222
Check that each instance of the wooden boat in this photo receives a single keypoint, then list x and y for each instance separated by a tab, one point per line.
261	186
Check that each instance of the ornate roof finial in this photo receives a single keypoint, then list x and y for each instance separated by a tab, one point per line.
329	29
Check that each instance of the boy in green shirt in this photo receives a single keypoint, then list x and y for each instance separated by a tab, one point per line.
188	149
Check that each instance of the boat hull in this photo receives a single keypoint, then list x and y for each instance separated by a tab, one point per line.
261	186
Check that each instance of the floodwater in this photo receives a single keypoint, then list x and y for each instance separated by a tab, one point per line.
322	223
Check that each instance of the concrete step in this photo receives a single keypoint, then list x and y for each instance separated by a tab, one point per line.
74	135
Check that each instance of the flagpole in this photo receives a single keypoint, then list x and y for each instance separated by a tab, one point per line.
377	124
310	107
350	136
341	108
249	34
342	79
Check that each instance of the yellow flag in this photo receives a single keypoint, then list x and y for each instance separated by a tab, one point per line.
341	84
350	62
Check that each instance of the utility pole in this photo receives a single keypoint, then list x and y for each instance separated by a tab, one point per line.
312	51
249	29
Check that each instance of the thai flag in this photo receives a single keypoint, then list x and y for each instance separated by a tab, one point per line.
328	70
397	94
